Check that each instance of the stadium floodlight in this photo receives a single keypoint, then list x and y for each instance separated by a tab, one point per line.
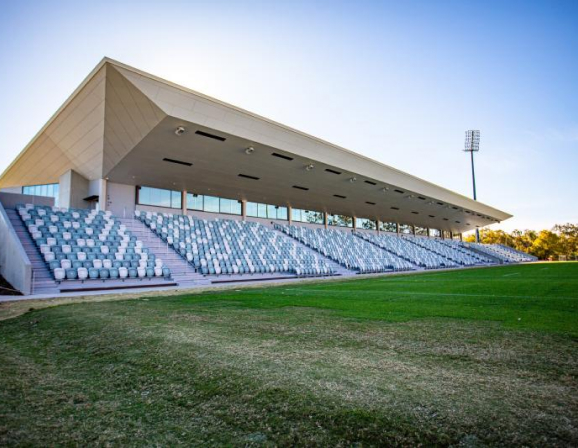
473	145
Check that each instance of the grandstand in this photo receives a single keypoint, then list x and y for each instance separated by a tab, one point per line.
137	182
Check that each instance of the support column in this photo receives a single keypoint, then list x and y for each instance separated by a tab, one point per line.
354	223
377	221
184	202
103	195
413	230
244	209
397	228
325	219
73	188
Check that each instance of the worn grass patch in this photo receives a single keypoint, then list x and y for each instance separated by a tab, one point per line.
468	358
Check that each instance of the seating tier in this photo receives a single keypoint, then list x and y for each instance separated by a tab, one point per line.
347	249
224	246
88	244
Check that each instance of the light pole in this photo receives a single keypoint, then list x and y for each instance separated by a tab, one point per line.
473	145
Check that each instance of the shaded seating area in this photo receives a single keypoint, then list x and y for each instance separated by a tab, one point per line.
85	245
460	247
452	253
347	249
228	247
403	248
504	253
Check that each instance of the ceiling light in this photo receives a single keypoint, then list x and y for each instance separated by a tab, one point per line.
310	167
249	150
353	179
180	130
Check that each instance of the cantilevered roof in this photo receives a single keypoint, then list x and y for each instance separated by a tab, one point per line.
120	124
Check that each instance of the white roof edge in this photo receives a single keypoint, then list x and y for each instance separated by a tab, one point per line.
470	201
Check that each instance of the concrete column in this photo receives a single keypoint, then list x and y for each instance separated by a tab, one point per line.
184	202
413	230
73	188
289	211
244	209
397	228
325	220
354	223
377	222
103	195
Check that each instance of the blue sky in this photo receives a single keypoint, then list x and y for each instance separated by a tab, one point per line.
399	82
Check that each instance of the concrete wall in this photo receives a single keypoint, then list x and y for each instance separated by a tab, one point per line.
15	265
153	209
10	200
121	199
73	188
17	190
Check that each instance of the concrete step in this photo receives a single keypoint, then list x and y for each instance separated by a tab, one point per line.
42	281
181	270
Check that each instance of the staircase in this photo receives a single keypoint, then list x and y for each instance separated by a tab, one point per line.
181	271
42	281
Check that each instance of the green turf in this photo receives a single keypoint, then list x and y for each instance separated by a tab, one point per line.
469	358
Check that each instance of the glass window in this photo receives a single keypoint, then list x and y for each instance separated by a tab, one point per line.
176	199
211	204
340	220
405	228
271	212
364	223
194	201
388	227
230	206
236	207
420	230
296	215
266	211
48	190
282	213
252	209
309	216
435	233
159	197
261	211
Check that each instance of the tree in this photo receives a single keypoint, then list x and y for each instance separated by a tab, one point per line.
544	244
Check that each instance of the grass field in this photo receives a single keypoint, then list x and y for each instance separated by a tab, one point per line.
468	358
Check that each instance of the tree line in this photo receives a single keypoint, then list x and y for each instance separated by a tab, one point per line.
558	243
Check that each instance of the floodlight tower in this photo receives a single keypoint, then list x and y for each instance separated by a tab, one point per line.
473	145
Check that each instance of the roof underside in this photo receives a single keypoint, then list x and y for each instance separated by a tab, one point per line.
119	124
